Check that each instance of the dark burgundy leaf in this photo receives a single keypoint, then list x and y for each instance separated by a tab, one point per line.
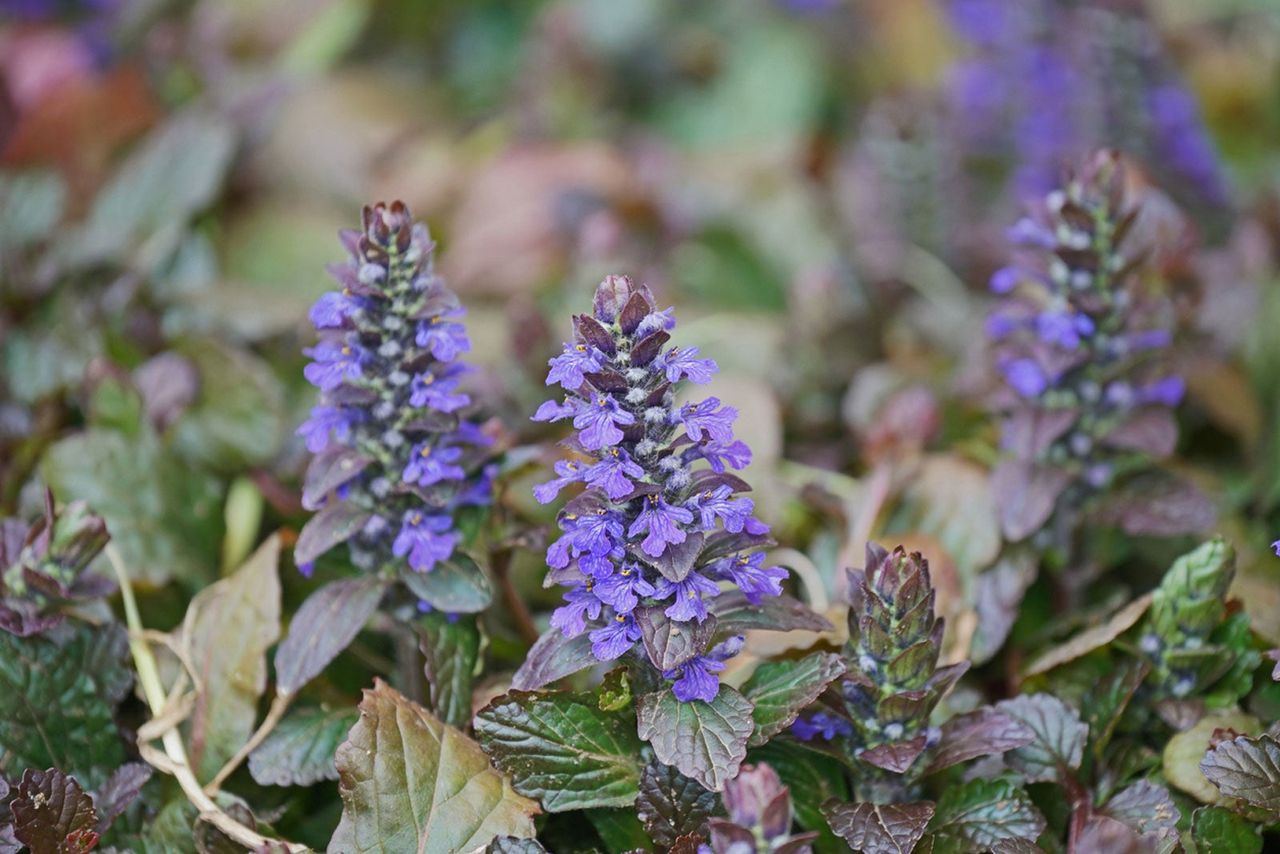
1029	432
677	561
978	733
594	334
1025	495
51	813
323	627
636	310
167	383
879	828
121	788
707	479
553	657
774	613
724	543
648	348
671	805
1152	431
335	524
670	644
1158	504
327	471
896	756
608	380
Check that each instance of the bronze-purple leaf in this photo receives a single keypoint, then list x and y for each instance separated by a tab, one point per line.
324	626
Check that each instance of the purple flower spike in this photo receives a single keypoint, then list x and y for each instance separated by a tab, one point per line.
651	499
390	403
1078	350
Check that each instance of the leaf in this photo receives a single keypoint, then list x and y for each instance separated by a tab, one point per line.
705	741
300	750
983	732
456	586
120	790
512	845
228	628
1103	833
619	829
451	649
1059	741
410	783
880	828
974	815
1248	769
163	517
669	643
173	174
1185	750
1158	504
334	524
57	698
324	626
997	599
950	499
1026	494
562	749
671	805
1092	638
1147	808
896	756
776	613
1219	831
51	813
780	690
1152	431
238	418
329	470
552	657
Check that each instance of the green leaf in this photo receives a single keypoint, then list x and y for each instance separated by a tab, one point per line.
226	633
456	586
1059	741
164	518
780	690
1146	808
1215	830
58	693
736	614
31	205
879	828
619	829
670	805
238	418
562	749
669	643
300	749
974	815
324	626
512	845
1183	752
172	175
52	813
706	741
411	783
1248	769
451	649
813	778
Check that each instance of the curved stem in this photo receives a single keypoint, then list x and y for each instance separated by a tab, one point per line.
279	706
175	752
500	560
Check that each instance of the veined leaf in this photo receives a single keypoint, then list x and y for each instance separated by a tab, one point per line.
562	749
706	741
411	783
780	690
975	815
451	649
300	749
671	805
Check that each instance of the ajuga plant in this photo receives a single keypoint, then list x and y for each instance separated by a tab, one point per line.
44	566
877	722
64	771
395	459
1137	701
1079	336
661	557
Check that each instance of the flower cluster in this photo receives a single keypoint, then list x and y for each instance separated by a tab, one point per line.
394	460
1078	341
43	565
1044	79
1188	638
660	524
759	820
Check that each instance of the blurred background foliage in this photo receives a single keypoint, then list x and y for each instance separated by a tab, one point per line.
822	186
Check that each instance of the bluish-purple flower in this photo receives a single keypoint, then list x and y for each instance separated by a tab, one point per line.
615	638
335	362
750	574
429	464
446	339
687	596
425	540
599	420
568	368
661	521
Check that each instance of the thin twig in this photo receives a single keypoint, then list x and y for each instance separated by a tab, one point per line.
500	560
175	753
279	706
